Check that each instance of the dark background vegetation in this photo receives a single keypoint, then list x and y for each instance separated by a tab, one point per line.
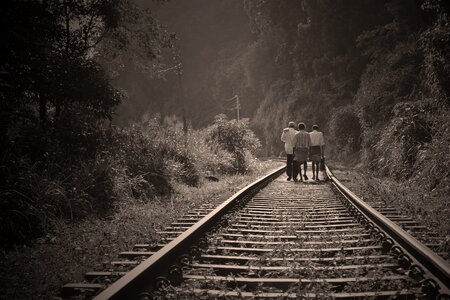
61	156
107	99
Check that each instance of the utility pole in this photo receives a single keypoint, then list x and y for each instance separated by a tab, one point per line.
238	106
179	73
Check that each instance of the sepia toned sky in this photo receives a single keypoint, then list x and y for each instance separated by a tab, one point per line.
205	29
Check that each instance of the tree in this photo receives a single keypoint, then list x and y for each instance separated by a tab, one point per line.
55	95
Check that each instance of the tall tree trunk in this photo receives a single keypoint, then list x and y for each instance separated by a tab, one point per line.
58	104
43	110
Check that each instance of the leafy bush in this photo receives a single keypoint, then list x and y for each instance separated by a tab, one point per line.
398	146
235	137
432	160
156	154
435	44
391	77
135	151
345	132
209	159
36	195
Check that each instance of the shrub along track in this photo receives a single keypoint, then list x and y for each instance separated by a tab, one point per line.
277	239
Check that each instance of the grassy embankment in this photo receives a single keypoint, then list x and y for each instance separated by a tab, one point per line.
429	208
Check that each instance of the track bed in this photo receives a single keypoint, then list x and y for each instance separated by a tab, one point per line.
277	240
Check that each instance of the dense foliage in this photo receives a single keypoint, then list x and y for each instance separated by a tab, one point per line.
236	138
372	74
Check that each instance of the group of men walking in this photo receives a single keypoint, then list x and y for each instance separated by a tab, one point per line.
301	146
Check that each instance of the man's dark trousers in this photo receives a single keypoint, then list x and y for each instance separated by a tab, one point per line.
296	170
289	164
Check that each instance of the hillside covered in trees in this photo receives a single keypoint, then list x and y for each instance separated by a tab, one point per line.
373	74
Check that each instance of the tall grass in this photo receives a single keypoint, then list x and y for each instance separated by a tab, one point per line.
83	174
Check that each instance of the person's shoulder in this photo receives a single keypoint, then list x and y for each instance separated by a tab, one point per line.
286	129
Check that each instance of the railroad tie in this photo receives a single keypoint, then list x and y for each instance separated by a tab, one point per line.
275	239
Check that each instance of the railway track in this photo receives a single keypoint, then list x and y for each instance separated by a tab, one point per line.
277	240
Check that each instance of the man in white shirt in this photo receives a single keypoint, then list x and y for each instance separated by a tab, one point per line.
288	138
316	150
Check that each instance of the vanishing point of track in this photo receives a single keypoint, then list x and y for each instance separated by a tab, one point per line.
277	240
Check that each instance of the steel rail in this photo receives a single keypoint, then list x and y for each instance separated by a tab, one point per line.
424	256
143	276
